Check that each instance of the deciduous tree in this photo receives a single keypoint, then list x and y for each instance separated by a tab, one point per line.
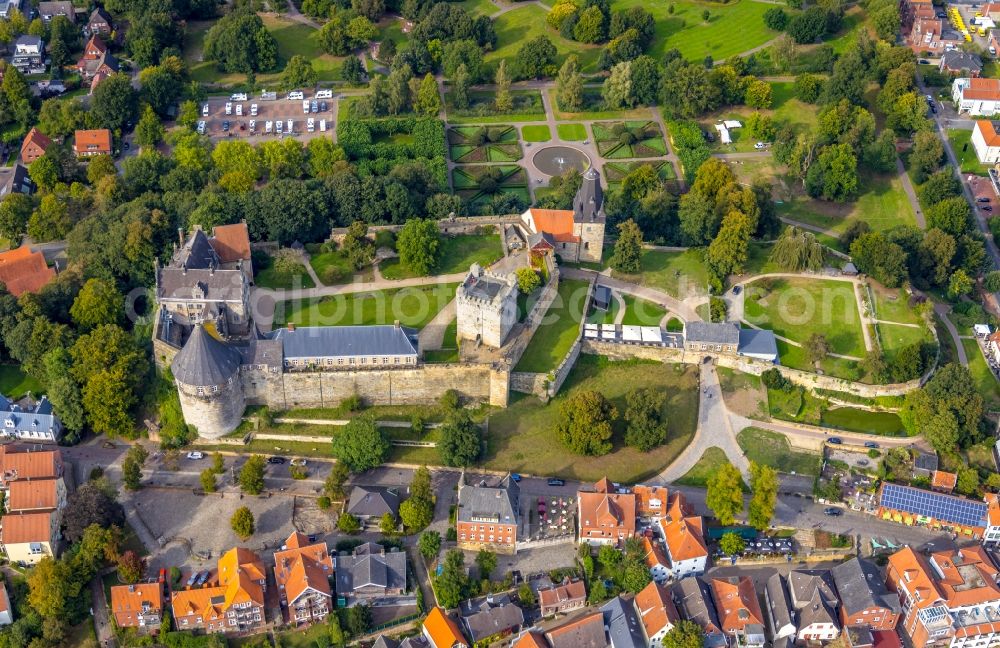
724	495
764	489
584	423
627	256
361	445
417	245
243	523
251	478
647	427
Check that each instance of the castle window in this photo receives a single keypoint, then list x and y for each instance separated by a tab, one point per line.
329	361
340	361
352	361
215	389
364	360
200	391
396	360
385	360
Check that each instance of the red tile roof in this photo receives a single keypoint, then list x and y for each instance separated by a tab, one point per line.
557	222
944	480
18	528
92	141
22	270
979	88
36	138
736	603
985	127
32	494
442	631
231	242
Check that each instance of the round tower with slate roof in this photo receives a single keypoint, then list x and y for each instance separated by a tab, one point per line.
207	374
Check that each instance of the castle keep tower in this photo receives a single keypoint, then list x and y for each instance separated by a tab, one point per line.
486	306
208	382
588	216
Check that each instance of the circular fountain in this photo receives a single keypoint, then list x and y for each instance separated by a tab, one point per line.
554	160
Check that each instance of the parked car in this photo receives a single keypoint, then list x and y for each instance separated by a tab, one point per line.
239	109
268	126
295	95
225	126
832	511
322	125
279	126
239	96
324	94
553	481
314	106
305	106
987	208
835	440
737	290
288	126
862	462
275	460
204	110
253	125
268	96
983	199
760	146
516	477
196	455
923	62
253	110
871	444
201	127
310	124
298	462
322	106
229	108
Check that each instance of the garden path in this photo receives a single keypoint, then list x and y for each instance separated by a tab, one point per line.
942	311
620	315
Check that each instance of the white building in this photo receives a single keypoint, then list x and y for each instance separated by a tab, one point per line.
986	141
976	96
684	540
486	307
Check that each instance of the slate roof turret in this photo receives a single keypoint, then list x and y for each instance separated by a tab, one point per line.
588	205
205	361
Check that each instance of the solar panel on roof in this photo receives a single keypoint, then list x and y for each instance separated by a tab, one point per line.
933	505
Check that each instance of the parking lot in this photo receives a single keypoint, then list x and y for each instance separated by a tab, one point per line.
262	116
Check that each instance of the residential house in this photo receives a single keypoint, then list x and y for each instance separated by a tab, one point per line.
489	618
370	572
35	495
441	631
933	35
7	6
814	599
976	97
651	502
233	602
943	481
622	623
49	10
657	613
29	54
924	463
26	538
986	141
385	641
27	419
34	146
88	143
137	606
22	270
15	179
961	62
779	610
99	23
560	599
656	560
96	59
488	514
302	572
991	536
949	598
6	611
606	516
864	599
693	599
531	639
28	462
584	630
739	612
911	505
684	540
369	504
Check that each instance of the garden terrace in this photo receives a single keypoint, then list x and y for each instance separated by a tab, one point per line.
477	185
631	139
472	144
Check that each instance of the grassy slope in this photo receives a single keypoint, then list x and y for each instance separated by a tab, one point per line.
523	438
772	449
558	330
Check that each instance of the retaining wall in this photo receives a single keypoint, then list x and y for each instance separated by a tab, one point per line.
463	225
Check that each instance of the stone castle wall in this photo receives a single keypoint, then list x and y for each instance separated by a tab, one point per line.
213	415
418	385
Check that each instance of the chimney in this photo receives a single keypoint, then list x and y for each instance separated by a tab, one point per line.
395	323
291	326
180	235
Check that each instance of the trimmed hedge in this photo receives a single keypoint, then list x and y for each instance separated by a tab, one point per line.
357	138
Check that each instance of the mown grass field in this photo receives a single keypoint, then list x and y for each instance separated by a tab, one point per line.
558	330
986	382
14	382
411	306
707	466
679	274
522	437
271	277
772	449
797	308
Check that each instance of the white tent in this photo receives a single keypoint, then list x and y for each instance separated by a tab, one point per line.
652	334
608	332
982	330
631	333
732	123
724	134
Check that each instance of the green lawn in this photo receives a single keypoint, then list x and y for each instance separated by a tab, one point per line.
527	106
479	7
733	28
14	382
572	132
895	337
269	277
881	202
772	449
411	306
523	438
679	274
449	346
558	330
797	308
854	20
455	254
536	133
293	38
894	306
334	267
522	24
597	316
702	471
593	108
986	382
639	312
961	144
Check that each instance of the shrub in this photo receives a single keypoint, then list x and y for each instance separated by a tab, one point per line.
774	379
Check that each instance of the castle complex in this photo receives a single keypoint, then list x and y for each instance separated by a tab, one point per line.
222	361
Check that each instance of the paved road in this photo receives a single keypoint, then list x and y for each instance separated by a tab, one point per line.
99	606
911	195
942	311
649	294
714	430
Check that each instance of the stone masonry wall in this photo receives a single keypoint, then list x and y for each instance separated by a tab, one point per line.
419	385
213	416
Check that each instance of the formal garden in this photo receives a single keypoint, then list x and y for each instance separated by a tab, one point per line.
479	185
615	172
630	139
476	144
